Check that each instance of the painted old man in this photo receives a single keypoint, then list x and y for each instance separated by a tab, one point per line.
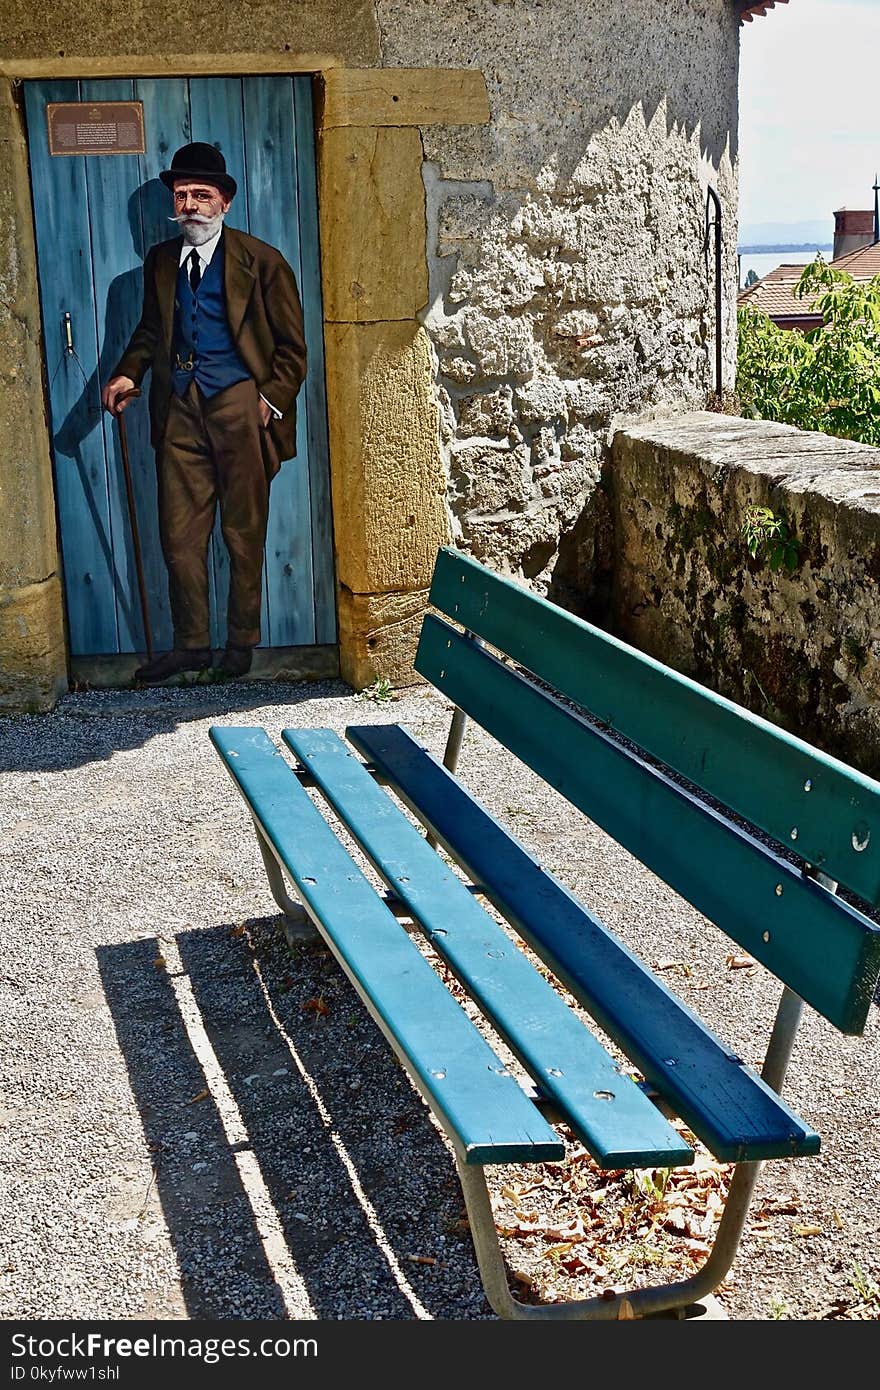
222	330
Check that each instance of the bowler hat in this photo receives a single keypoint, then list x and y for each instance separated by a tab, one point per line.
200	161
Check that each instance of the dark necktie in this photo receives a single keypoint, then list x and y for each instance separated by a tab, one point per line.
195	270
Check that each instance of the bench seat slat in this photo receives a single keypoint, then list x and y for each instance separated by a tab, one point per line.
451	1064
736	1115
606	1109
765	774
822	948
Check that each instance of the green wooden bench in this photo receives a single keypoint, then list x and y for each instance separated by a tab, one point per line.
652	758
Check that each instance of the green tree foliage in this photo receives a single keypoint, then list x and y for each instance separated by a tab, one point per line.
764	532
827	379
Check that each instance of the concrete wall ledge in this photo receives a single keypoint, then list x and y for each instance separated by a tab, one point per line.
799	645
781	453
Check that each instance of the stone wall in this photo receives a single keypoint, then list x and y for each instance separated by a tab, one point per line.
568	281
800	646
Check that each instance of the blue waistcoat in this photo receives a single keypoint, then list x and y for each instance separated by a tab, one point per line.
202	340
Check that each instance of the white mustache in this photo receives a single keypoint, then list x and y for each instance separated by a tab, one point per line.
189	217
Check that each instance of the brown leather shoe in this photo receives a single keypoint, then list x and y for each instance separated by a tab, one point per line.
235	661
172	663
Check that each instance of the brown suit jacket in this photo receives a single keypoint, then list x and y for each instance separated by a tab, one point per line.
265	316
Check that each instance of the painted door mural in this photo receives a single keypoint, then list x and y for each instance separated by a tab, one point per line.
96	216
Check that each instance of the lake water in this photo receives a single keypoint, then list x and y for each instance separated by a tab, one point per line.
764	261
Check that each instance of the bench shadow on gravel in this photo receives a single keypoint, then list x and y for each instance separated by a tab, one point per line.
91	727
341	1093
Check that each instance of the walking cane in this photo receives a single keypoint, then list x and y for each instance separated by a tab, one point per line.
132	516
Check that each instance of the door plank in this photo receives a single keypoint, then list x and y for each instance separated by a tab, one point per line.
272	182
66	285
117	255
166	128
313	396
217	118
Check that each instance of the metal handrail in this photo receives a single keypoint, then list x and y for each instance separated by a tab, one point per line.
712	197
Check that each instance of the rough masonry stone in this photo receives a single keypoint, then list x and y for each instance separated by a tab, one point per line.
799	645
388	486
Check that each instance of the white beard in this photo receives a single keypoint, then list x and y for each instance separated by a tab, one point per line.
196	233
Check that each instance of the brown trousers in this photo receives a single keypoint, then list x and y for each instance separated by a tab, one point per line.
211	454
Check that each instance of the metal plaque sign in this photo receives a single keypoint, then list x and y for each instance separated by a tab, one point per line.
95	127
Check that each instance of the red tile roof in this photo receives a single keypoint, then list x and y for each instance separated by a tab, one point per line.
863	263
748	12
775	292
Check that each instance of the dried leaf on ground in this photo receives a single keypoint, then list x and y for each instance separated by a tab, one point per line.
556	1251
577	1263
696	1247
318	1006
778	1206
677	1222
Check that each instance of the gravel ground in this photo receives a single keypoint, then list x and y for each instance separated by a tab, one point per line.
201	1123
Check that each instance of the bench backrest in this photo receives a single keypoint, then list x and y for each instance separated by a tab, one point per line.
815	805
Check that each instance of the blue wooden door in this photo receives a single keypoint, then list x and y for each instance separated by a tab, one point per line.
96	216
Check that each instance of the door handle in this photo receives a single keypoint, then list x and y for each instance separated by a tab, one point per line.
68	333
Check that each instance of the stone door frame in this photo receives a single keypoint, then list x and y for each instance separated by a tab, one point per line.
388	485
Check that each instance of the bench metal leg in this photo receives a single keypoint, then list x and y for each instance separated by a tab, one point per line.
779	1048
636	1303
299	925
454	738
450	756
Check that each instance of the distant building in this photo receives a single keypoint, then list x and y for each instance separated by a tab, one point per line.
774	294
856	250
853	228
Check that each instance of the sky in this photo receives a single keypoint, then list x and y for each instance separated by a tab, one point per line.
809	111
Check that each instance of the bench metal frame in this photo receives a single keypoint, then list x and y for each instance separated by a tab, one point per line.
657	1300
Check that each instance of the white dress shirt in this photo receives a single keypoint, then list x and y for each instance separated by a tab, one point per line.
205	251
